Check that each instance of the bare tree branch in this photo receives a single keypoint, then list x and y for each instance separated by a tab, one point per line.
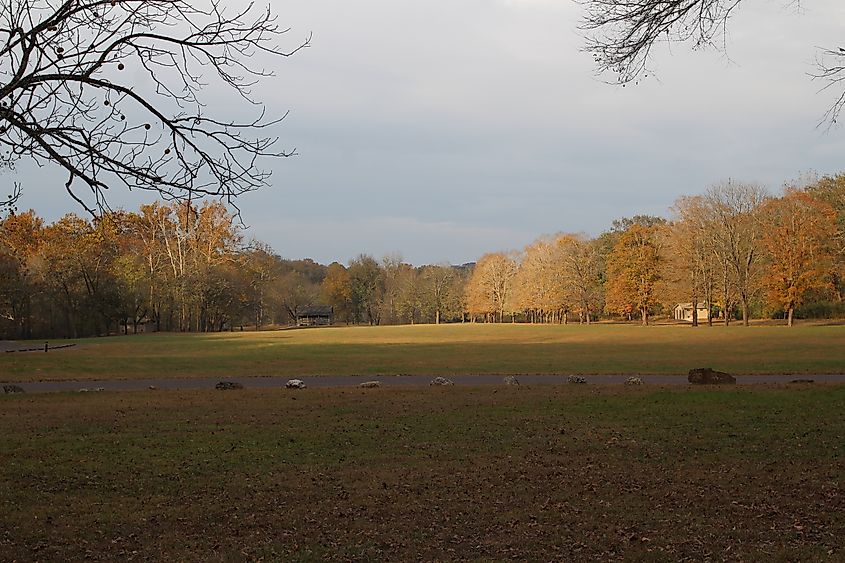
622	33
830	69
8	201
70	94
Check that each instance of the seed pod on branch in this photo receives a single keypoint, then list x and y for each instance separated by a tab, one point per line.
70	105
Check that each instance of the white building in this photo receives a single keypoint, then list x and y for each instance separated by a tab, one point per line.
683	312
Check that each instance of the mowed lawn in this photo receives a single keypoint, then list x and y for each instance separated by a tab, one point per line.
442	350
542	473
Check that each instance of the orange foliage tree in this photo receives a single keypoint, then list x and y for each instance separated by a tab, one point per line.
21	237
831	190
633	273
797	237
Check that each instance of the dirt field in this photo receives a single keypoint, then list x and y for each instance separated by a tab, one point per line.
544	473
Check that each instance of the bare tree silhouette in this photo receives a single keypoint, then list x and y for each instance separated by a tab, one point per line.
622	33
112	91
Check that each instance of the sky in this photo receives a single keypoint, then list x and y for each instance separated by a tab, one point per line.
442	130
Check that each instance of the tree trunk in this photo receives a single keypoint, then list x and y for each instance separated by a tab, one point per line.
644	311
745	310
694	311
789	318
726	301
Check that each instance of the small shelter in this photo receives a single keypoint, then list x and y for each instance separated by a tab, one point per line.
683	312
317	315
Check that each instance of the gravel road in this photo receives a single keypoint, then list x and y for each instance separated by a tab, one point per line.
387	381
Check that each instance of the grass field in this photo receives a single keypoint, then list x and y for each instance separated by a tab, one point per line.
443	350
545	473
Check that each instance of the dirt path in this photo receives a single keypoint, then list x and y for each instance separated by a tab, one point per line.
388	381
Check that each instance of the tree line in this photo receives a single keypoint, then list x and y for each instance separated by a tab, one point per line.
734	252
188	268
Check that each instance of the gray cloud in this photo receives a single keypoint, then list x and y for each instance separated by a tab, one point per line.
446	129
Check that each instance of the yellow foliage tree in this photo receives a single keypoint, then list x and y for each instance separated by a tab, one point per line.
799	230
488	291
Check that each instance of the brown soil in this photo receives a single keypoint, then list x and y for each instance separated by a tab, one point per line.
573	473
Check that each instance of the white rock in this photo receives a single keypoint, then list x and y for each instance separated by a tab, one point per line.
441	381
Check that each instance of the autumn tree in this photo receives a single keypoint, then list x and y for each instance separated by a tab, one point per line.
147	231
633	270
476	299
77	269
622	33
296	292
113	93
21	237
129	271
691	258
261	268
179	265
797	239
732	209
831	190
185	249
538	285
580	274
336	291
366	282
409	299
620	226
440	289
201	246
488	290
400	300
607	240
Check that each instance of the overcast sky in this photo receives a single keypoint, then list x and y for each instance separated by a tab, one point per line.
444	129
